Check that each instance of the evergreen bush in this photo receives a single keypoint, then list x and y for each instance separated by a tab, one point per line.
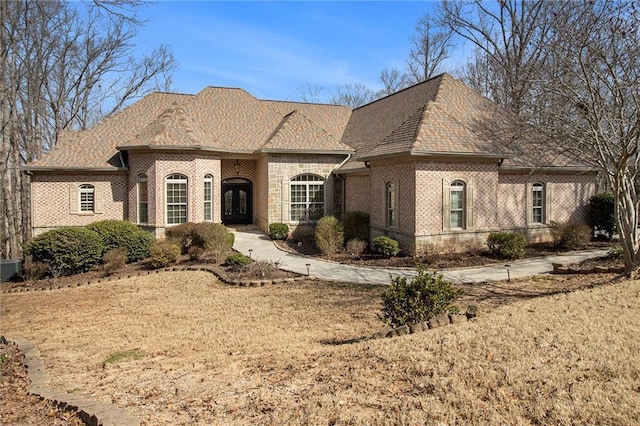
237	259
425	296
601	213
356	225
278	231
506	245
329	235
67	250
385	246
124	234
570	236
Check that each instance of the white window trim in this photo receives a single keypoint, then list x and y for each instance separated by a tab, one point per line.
289	201
467	207
208	179
184	180
142	178
86	188
547	198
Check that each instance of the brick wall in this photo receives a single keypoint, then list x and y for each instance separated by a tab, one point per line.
50	199
157	166
357	193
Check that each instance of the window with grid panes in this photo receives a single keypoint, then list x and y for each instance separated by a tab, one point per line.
307	198
208	201
143	202
457	204
176	199
86	198
537	203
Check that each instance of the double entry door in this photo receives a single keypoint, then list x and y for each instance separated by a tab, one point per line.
236	202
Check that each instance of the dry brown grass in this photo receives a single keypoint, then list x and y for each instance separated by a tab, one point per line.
223	355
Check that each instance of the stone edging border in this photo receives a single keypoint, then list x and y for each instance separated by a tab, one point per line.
562	269
92	413
222	278
435	322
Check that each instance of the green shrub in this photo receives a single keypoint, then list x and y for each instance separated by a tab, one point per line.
356	246
231	238
237	259
356	225
164	253
570	236
278	231
506	245
329	235
601	213
114	259
425	296
385	246
66	250
124	234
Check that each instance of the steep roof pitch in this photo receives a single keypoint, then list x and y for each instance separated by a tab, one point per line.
438	117
95	148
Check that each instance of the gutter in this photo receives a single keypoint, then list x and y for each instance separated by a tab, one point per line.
436	154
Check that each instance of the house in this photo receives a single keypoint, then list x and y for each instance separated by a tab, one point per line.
434	165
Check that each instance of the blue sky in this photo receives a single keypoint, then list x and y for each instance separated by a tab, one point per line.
271	49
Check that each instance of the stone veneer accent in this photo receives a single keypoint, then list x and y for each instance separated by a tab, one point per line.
282	168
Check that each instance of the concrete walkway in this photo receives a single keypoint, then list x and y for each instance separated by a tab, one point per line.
259	246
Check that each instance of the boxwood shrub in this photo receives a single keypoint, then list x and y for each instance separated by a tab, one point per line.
67	250
506	245
164	253
386	246
278	231
126	235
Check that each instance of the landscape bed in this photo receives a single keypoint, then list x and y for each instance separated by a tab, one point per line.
206	353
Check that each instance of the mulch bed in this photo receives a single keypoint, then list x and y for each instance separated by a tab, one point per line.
305	245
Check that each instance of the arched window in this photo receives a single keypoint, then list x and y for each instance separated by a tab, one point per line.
457	204
208	199
86	197
176	199
390	203
307	198
143	199
537	202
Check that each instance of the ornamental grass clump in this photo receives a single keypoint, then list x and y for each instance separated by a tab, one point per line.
424	297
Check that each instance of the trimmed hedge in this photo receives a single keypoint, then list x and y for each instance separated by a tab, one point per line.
386	246
237	259
506	245
123	234
356	225
67	250
278	231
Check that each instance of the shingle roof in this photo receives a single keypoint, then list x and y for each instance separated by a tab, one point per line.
440	116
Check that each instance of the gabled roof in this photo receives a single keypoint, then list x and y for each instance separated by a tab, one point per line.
438	117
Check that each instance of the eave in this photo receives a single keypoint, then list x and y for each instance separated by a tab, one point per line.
74	169
556	169
304	151
435	154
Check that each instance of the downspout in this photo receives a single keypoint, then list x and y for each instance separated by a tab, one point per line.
343	162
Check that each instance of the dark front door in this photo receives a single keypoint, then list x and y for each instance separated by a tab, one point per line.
236	202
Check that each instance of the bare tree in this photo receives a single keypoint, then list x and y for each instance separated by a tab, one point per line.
352	95
392	81
64	66
432	44
591	100
312	93
511	36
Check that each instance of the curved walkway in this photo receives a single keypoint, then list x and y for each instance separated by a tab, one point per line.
259	246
